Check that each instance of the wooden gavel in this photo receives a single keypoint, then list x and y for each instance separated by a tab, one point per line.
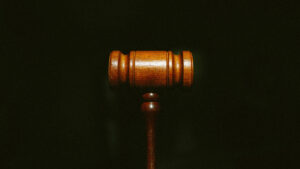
150	70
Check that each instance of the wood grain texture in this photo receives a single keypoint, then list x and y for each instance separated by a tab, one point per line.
150	69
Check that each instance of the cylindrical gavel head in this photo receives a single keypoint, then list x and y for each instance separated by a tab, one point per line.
150	69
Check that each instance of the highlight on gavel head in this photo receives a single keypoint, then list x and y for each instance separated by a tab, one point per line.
150	69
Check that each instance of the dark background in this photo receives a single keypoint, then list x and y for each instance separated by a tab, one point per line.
58	111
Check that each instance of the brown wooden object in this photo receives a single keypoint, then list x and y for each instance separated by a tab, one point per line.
150	70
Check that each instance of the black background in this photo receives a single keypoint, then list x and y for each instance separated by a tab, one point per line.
58	111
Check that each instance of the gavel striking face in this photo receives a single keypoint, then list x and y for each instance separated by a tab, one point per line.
150	70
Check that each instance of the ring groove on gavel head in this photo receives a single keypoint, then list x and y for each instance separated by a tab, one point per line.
150	69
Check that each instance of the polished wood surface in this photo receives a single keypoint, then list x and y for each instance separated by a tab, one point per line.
150	69
150	107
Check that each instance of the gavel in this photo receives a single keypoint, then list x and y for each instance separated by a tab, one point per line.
149	71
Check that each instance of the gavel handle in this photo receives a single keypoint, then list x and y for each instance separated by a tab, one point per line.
150	142
150	107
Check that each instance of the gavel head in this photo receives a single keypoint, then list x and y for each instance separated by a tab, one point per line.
150	69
